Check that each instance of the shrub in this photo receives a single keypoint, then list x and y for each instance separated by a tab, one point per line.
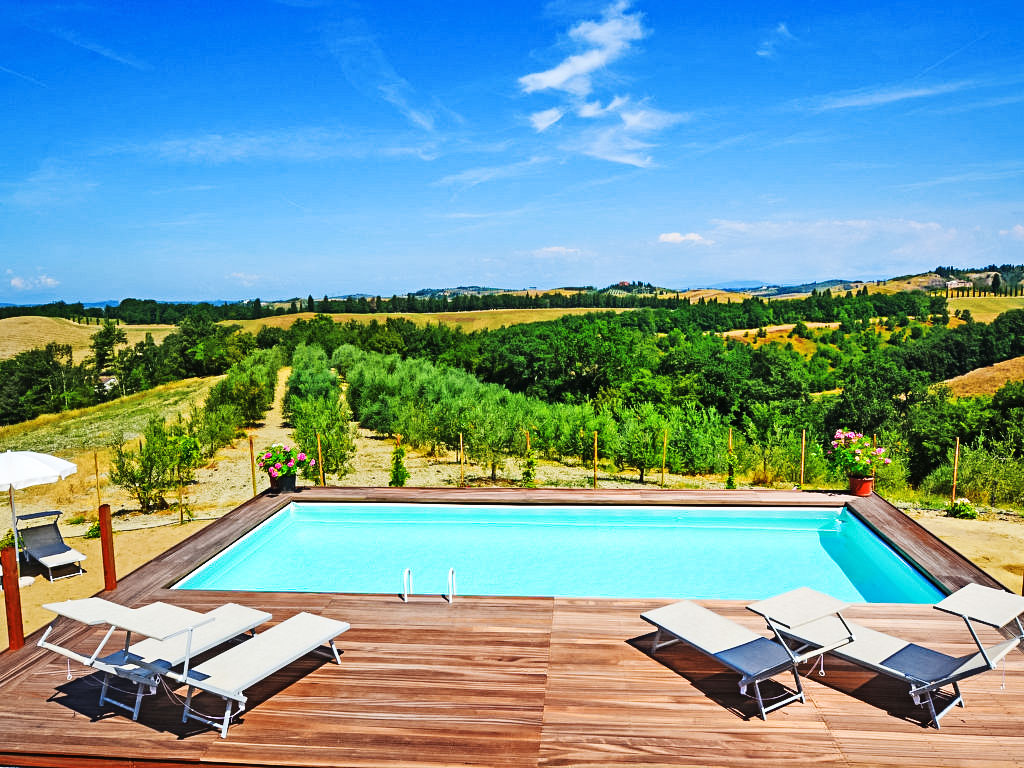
963	509
399	474
93	532
331	419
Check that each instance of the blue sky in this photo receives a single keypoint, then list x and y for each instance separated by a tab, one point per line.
194	150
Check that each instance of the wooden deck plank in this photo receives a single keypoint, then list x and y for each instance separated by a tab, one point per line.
513	681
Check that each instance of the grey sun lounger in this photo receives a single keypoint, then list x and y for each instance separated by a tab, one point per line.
926	671
756	658
45	545
172	637
232	672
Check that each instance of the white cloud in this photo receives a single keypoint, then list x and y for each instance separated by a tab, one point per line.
299	144
52	184
1016	232
100	50
613	122
474	176
244	278
594	108
606	40
649	120
778	36
876	97
689	237
545	119
552	251
615	145
30	283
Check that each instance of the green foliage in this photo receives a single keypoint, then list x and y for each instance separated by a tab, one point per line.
7	540
640	439
330	418
988	475
311	377
93	532
529	470
399	474
963	509
854	455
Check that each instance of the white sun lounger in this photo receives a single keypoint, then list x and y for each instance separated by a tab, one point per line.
754	657
230	673
45	545
173	636
926	671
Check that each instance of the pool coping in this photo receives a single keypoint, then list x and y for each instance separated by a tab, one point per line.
937	561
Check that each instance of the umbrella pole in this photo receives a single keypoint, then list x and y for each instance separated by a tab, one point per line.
14	527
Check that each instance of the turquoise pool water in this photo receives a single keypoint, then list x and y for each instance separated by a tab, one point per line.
679	552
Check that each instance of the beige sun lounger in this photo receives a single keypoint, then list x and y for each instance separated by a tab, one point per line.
172	637
926	671
232	672
754	657
45	545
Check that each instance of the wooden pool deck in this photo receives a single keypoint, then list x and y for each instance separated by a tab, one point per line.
514	681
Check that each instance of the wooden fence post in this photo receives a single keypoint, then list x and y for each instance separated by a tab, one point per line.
96	468
803	453
252	464
107	546
12	598
462	464
320	458
595	459
664	455
956	465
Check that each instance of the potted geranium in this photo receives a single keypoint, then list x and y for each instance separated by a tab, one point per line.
282	463
857	457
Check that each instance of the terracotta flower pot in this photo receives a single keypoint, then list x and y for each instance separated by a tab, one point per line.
861	486
282	483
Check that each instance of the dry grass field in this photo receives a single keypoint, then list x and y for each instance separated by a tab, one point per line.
985	381
94	427
985	309
483	320
780	335
18	334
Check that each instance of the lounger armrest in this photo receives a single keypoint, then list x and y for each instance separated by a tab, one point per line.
993	607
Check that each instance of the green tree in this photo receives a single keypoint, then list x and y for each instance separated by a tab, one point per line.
330	418
640	439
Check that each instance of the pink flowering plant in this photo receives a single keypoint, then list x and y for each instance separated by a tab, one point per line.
281	459
854	455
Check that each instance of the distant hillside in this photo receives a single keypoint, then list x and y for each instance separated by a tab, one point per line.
18	334
985	381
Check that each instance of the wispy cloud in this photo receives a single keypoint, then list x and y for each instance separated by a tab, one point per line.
368	69
556	251
615	128
603	42
75	39
300	144
776	38
691	238
52	184
244	278
545	119
997	173
23	76
881	96
1016	232
474	176
993	103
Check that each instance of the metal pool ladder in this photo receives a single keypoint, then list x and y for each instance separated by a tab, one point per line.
407	585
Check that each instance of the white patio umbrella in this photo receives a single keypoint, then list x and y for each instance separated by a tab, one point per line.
23	469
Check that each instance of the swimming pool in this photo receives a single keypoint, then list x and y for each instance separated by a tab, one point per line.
573	551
